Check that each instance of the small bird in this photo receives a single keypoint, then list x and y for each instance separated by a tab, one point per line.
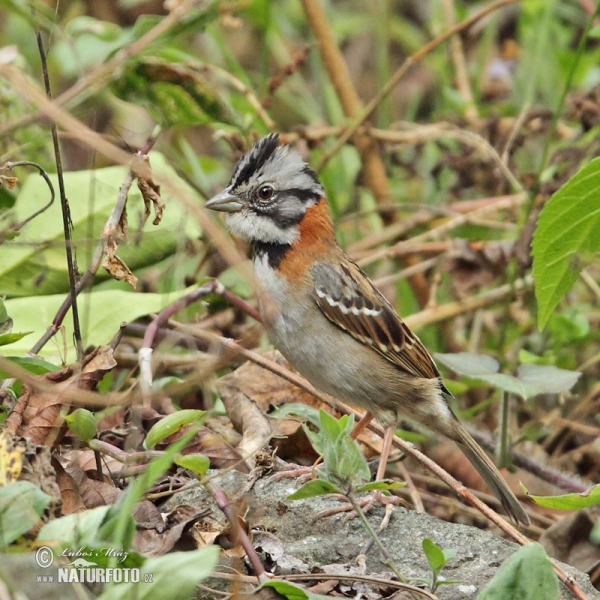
326	316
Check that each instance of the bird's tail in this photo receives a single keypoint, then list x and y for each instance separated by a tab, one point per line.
487	469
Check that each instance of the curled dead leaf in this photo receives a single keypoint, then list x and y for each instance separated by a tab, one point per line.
117	268
151	195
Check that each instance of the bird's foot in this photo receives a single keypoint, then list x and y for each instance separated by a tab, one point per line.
366	503
303	474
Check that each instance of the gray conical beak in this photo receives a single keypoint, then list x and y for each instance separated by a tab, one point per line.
225	201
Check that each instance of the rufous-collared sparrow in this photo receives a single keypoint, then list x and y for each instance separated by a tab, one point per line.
326	316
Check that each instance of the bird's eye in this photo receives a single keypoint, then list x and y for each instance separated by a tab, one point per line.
265	192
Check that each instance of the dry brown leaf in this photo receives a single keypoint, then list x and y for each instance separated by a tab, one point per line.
72	501
151	195
37	414
113	235
160	533
116	268
98	493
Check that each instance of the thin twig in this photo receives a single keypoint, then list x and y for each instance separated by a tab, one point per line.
25	163
460	67
64	203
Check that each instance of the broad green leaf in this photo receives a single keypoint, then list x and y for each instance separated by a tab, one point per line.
512	385
531	379
549	379
37	265
101	312
293	592
468	364
384	484
11	338
170	425
568	501
82	423
198	463
174	576
526	575
316	487
566	238
37	366
21	504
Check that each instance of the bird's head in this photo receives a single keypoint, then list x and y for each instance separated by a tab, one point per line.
269	193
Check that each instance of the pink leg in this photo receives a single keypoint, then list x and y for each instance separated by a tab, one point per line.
388	438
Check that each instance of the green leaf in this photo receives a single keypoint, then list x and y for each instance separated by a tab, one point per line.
37	265
469	364
105	311
11	338
21	505
89	25
384	484
174	576
77	527
566	238
526	575
345	464
198	463
512	385
310	413
174	93
37	366
531	379
3	314
436	557
83	424
568	501
170	425
333	428
549	379
316	487
293	592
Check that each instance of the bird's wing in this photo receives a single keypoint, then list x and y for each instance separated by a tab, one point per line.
349	299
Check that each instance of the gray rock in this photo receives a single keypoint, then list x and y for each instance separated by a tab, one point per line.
288	541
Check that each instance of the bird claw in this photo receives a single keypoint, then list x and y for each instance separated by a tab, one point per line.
302	473
366	503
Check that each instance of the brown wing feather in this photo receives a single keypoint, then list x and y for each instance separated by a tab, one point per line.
349	299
